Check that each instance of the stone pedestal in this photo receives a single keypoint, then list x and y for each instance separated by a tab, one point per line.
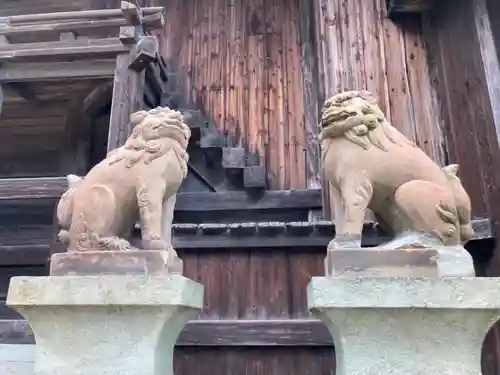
106	324
406	326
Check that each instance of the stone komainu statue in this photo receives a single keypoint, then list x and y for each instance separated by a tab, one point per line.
370	164
136	181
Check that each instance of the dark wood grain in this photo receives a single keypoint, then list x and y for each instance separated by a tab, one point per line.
62	51
128	92
46	188
399	7
28	72
297	332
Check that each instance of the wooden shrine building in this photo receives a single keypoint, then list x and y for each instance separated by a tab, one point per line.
252	219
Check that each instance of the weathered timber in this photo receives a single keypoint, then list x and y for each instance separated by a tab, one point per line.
80	28
153	21
32	72
76	146
67	36
490	54
131	12
296	332
32	239
98	98
24	91
233	157
53	187
63	51
144	52
399	7
255	177
32	188
128	92
310	93
1	99
128	34
156	81
76	15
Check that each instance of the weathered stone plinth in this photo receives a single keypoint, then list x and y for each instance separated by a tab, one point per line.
406	326
110	324
406	261
134	262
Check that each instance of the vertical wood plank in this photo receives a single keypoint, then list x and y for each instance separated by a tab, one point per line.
128	91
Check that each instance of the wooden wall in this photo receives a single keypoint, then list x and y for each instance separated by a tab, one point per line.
360	48
461	59
466	106
240	61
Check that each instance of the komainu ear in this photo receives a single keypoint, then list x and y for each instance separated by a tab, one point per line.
451	170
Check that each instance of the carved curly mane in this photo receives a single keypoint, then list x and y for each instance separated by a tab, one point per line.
356	116
156	132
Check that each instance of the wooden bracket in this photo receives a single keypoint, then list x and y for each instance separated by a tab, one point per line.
153	21
145	52
131	12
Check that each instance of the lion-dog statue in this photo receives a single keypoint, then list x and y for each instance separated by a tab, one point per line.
371	165
138	180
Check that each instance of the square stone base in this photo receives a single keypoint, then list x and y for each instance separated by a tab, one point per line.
407	261
134	262
113	325
406	326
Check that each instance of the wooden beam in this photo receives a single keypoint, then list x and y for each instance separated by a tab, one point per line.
131	13
31	245
24	91
54	28
128	34
75	15
53	187
293	332
145	52
62	51
98	98
400	7
1	99
74	154
32	188
55	71
128	92
153	22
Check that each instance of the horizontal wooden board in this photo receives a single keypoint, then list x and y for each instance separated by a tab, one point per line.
46	188
294	332
62	51
28	72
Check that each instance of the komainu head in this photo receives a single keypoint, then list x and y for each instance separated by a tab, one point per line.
155	132
356	116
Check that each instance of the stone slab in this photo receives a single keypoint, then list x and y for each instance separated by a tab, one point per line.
394	292
410	326
105	290
371	262
108	324
402	260
94	263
